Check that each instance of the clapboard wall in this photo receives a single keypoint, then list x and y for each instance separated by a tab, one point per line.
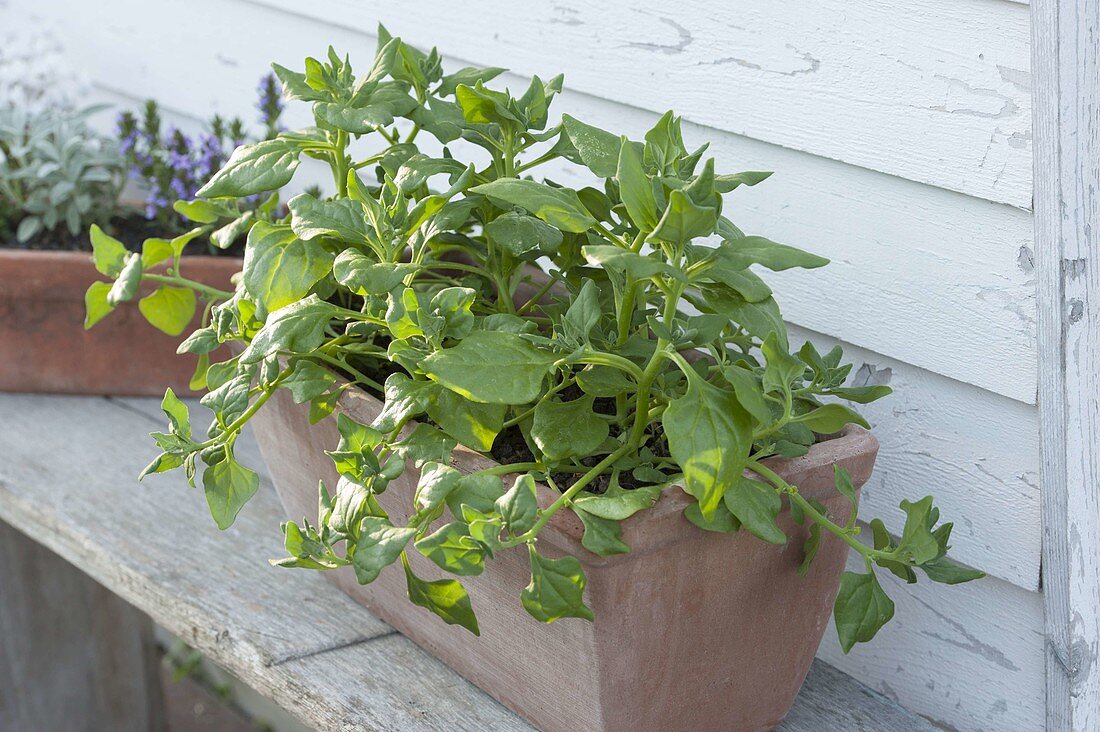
900	134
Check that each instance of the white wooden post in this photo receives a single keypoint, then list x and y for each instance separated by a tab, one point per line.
1066	71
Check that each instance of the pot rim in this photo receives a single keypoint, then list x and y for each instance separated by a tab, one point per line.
662	523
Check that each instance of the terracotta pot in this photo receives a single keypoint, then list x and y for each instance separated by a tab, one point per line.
693	630
45	346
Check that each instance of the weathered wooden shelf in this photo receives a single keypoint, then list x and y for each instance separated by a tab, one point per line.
67	481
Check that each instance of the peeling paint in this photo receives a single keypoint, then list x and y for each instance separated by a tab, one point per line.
972	644
685	40
1019	78
1073	268
1076	310
1009	108
813	64
1025	260
869	375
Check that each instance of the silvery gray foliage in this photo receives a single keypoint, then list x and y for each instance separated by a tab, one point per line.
55	170
35	73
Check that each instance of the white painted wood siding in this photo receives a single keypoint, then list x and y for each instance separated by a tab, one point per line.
900	137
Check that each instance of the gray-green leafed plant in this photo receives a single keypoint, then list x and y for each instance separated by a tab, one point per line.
590	325
54	170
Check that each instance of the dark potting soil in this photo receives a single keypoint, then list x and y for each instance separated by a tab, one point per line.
131	229
511	447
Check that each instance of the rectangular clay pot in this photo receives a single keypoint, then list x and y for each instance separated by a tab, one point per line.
693	631
43	344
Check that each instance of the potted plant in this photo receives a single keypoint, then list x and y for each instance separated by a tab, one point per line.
530	404
56	174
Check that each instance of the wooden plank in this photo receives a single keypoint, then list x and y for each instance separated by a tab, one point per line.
935	91
289	634
968	657
974	451
73	656
933	278
1067	201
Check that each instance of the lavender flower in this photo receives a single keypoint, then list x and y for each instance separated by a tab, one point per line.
270	104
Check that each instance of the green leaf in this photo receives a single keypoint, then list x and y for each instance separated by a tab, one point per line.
298	327
96	306
722	522
559	207
556	589
596	148
446	598
128	282
228	486
479	491
224	237
404	399
365	276
169	309
426	443
843	481
179	421
918	543
949	572
740	253
435	484
491	367
617	503
684	220
474	424
108	253
356	120
750	393
782	368
582	315
759	319
202	212
862	394
709	436
453	549
602	536
521	234
635	188
253	169
343	218
566	429
519	507
280	268
308	381
378	545
831	418
468	76
726	183
604	381
861	609
756	505
638	266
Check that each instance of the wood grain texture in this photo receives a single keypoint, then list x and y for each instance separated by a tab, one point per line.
930	277
934	91
1067	202
73	656
288	634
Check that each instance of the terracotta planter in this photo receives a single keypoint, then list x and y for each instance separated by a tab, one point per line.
693	630
45	346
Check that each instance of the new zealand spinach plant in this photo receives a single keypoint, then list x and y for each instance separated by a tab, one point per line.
585	337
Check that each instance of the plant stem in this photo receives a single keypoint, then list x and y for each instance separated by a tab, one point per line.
207	290
565	498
